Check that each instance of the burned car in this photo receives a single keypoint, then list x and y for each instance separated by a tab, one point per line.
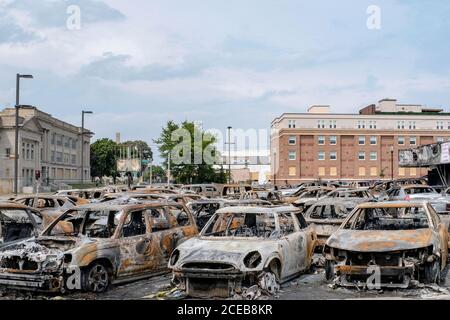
204	209
50	205
399	241
309	196
326	216
18	222
106	244
241	247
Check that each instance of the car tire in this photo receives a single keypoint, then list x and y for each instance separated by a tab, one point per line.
95	278
433	272
329	269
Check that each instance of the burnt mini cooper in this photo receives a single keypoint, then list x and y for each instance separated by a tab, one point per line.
89	247
244	246
388	245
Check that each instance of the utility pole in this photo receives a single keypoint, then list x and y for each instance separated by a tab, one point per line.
229	153
82	144
16	142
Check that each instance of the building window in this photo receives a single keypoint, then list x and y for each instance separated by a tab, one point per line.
321	140
8	152
448	125
412	141
440	139
361	155
372	124
67	142
321	124
361	124
333	124
321	156
292	171
401	172
373	156
292	155
53	156
291	124
32	152
362	171
412	171
373	171
333	171
333	140
400	124
292	140
59	157
401	141
333	155
440	125
373	140
74	144
412	125
321	171
361	140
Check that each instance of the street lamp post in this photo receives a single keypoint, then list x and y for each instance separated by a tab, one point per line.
82	144
392	162
229	154
16	143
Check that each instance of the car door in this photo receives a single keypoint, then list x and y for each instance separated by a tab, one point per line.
135	245
293	245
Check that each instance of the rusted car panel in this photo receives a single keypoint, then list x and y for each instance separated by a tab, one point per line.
107	244
244	246
402	241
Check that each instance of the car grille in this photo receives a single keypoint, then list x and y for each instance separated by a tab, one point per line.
18	264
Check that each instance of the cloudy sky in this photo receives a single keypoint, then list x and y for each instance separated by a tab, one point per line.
139	63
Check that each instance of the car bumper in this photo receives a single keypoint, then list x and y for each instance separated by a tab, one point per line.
31	282
387	277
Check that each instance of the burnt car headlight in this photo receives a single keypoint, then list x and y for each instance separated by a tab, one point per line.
174	257
67	258
252	260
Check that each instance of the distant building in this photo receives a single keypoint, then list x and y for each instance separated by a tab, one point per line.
324	145
248	165
46	144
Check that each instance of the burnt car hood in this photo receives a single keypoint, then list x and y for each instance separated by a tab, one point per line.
381	240
226	250
41	249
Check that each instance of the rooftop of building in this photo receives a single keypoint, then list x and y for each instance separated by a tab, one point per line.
26	113
386	106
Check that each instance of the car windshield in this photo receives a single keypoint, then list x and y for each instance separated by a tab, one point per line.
92	223
419	190
328	212
406	218
350	194
232	224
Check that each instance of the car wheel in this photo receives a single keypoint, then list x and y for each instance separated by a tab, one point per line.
329	269
96	278
433	272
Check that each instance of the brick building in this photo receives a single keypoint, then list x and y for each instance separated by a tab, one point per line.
324	145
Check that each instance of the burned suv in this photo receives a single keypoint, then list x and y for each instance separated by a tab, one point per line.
395	241
101	244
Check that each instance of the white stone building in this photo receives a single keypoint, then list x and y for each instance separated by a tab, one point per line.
46	144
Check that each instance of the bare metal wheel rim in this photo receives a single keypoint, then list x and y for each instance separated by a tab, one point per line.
98	278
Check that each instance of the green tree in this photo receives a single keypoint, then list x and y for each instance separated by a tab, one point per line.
192	170
103	158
